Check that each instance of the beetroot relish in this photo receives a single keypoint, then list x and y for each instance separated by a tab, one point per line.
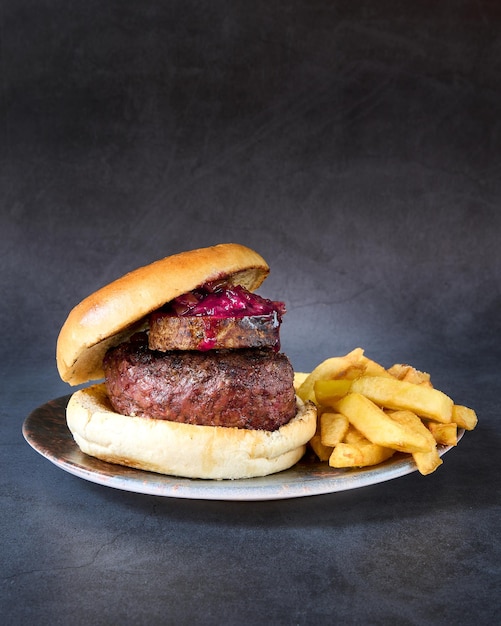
218	299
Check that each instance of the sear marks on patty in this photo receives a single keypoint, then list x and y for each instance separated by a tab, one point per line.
171	332
248	388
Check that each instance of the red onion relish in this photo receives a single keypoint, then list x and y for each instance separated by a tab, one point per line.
218	299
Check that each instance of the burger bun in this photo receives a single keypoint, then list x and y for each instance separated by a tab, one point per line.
187	450
112	314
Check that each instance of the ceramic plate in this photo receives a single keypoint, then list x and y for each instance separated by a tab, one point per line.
46	431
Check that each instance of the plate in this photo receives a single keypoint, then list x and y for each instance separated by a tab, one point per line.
46	431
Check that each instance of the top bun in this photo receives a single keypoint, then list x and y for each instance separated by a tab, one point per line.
112	314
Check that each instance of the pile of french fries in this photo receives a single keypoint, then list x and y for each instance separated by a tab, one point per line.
366	413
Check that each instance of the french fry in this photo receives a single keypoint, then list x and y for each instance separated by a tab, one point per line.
411	420
335	367
358	455
426	462
367	412
323	452
327	392
378	427
464	417
409	374
446	434
333	428
354	436
371	368
398	370
398	394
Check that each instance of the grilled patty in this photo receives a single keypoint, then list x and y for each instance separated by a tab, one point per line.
171	332
246	388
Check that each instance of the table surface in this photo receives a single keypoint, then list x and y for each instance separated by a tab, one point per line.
420	550
358	148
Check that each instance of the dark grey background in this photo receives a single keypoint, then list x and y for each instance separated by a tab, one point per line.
357	147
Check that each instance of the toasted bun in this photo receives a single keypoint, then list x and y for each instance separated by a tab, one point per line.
113	313
188	450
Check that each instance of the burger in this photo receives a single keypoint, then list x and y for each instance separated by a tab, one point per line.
191	379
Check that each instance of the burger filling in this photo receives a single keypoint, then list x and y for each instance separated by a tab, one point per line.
211	357
219	299
245	388
217	316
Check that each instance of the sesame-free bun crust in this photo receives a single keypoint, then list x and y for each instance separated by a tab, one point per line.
113	313
188	450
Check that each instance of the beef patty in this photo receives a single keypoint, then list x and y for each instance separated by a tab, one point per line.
205	332
246	388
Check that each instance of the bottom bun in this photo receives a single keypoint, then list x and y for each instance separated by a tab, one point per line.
187	450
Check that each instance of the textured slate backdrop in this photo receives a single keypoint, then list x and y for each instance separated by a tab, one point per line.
358	149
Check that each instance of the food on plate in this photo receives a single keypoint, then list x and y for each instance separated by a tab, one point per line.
367	413
328	391
379	427
333	428
427	460
409	374
400	394
464	417
446	434
245	388
360	454
194	384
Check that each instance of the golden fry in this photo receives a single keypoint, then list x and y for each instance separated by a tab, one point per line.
398	394
409	374
323	452
358	455
371	368
354	436
426	462
329	391
335	367
464	417
446	434
378	427
367	412
333	427
412	421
